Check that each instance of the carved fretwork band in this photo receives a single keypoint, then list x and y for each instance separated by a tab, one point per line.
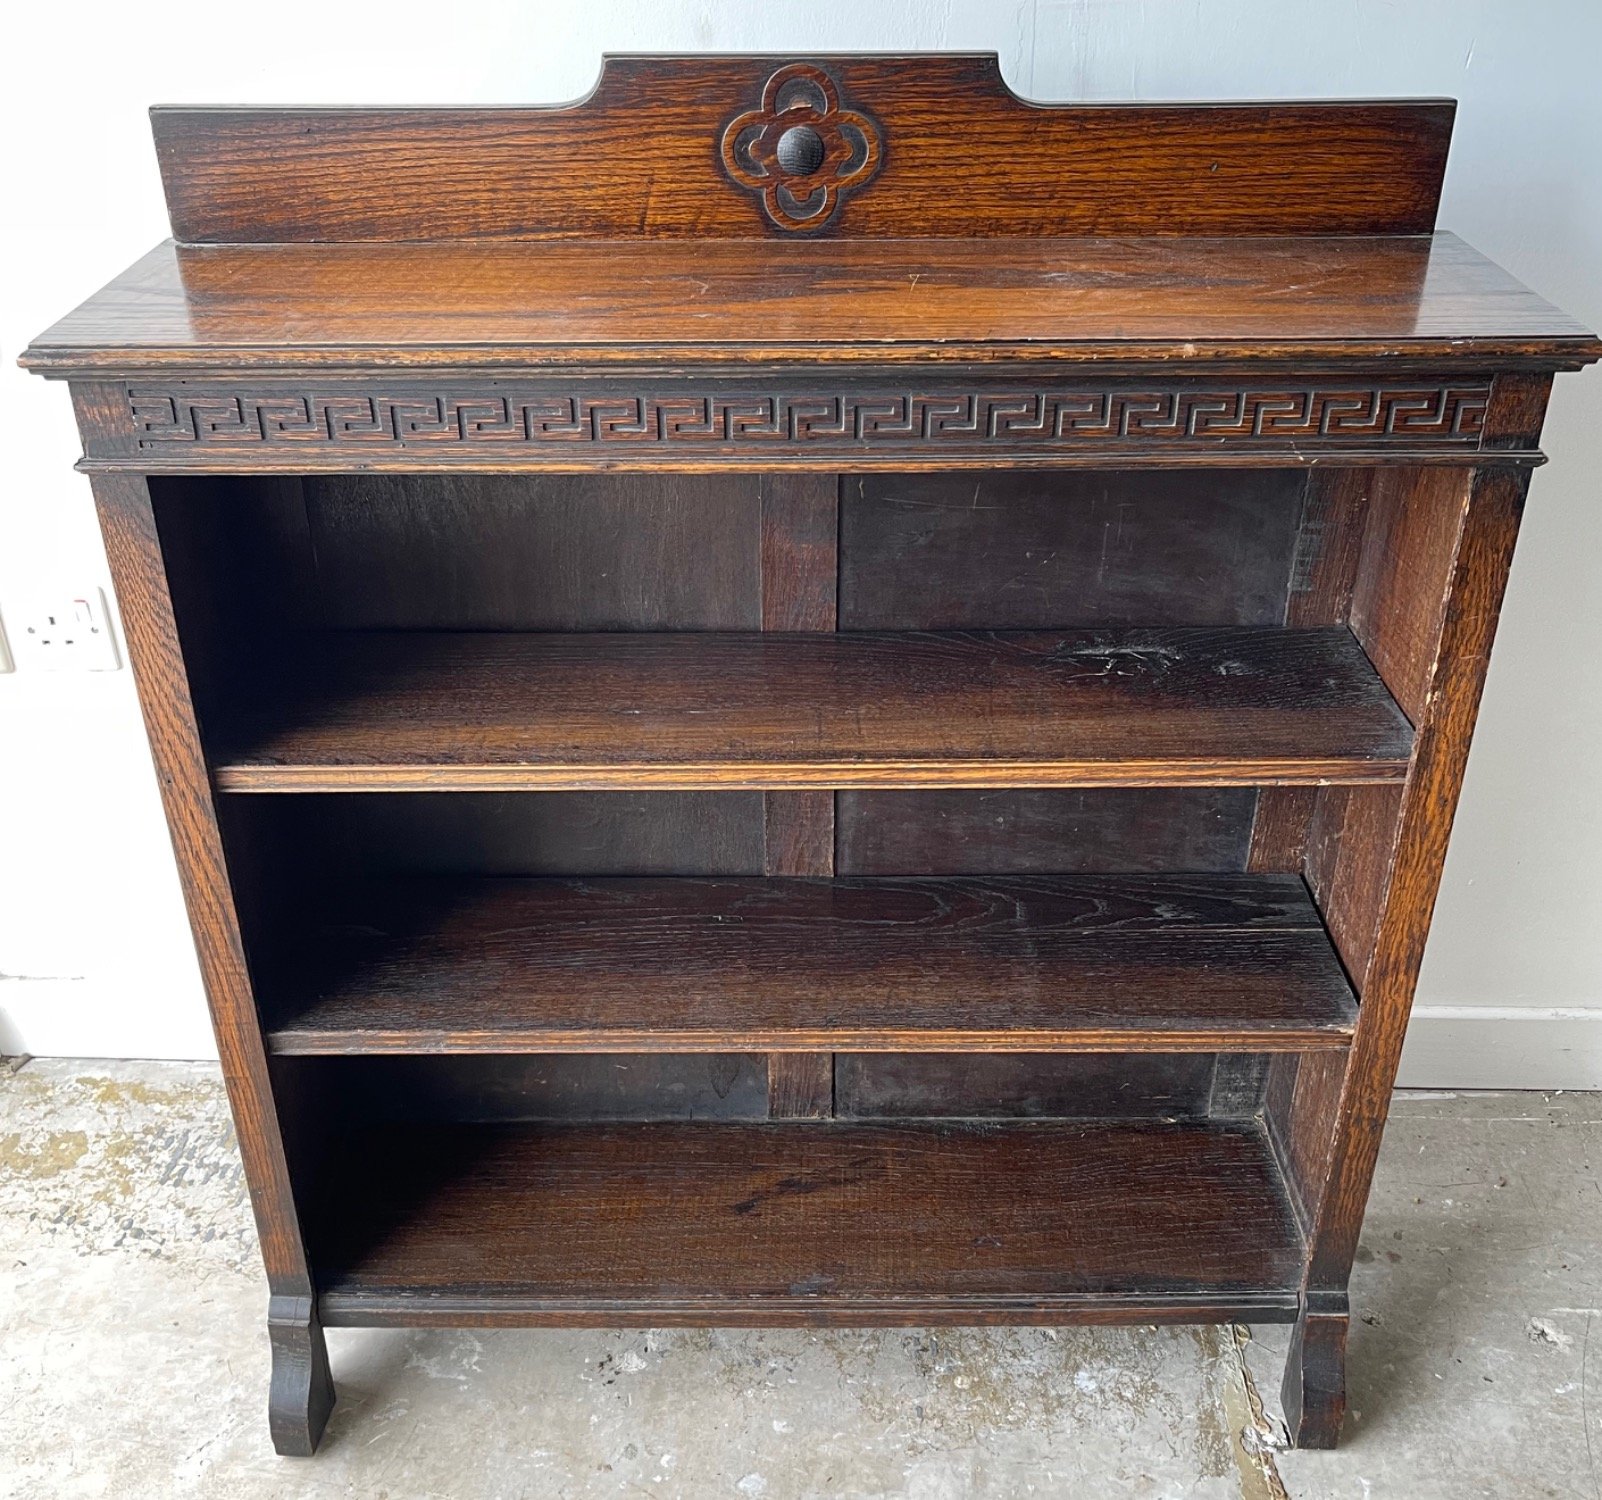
947	420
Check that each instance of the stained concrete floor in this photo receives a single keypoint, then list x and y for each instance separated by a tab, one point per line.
133	1360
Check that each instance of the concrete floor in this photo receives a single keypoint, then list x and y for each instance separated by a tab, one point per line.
133	1360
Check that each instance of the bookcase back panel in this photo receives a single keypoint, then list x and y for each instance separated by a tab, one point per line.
528	833
548	1086
734	1086
1000	550
1031	831
1039	549
1022	1085
1044	831
509	552
254	556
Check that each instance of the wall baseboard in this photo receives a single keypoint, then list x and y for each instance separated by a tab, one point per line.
1546	1047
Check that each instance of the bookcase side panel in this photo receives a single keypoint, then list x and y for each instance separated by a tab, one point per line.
1441	681
133	549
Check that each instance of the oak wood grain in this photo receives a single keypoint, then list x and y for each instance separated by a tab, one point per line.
1050	831
1313	1393
1407	867
1301	1113
798	833
527	552
1042	550
800	519
802	1222
1170	303
1024	1085
800	551
799	569
133	549
1279	828
1350	843
461	1088
960	154
1518	409
1400	593
1330	545
301	1392
800	1085
547	833
1000	963
1329	552
428	711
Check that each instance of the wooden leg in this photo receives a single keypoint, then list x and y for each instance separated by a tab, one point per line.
1314	1393
302	1393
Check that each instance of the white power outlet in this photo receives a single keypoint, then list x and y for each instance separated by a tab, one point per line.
61	633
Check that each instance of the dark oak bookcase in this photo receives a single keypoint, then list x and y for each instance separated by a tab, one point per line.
804	693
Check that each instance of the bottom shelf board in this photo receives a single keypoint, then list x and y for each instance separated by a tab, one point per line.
799	1223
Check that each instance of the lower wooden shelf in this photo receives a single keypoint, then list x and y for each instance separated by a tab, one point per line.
804	1223
988	963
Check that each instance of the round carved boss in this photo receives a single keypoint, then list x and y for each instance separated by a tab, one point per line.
798	150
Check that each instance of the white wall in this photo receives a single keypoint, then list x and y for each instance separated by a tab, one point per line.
92	937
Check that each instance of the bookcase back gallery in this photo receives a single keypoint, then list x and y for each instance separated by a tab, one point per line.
806	693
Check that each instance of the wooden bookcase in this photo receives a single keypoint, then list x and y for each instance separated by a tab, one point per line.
803	693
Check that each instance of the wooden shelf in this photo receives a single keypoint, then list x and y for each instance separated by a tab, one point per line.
421	711
1000	963
805	1223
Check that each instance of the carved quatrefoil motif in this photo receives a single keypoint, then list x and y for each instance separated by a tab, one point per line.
799	149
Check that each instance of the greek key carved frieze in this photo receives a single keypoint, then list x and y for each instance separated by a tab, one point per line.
817	419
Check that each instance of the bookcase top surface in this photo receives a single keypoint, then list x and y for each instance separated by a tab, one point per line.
763	209
671	304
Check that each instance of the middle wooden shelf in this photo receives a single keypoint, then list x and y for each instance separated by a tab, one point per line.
466	711
1117	963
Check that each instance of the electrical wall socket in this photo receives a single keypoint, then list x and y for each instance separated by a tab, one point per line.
61	633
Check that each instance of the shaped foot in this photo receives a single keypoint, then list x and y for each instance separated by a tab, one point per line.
302	1393
1314	1393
